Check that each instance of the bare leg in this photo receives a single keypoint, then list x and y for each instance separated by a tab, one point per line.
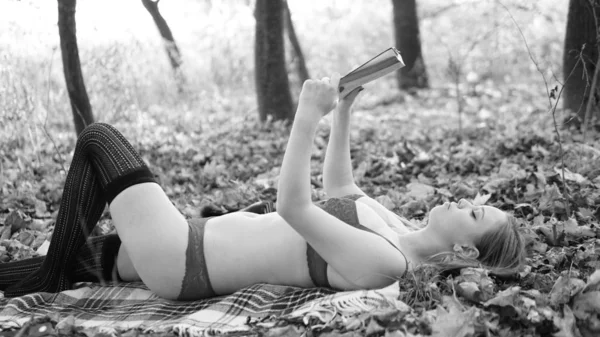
125	268
154	235
104	164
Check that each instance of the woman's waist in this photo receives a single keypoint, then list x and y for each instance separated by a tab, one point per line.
256	252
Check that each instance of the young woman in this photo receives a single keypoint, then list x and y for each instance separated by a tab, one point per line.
349	241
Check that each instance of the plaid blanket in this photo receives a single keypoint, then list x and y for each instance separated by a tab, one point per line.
132	306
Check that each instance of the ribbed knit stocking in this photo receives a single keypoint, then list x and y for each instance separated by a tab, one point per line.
94	262
103	165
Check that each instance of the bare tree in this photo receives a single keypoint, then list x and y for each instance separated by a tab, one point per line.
408	41
581	33
291	32
170	45
80	103
272	85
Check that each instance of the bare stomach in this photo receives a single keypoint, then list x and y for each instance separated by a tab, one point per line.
242	249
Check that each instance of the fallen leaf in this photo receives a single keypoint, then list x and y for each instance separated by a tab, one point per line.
66	326
551	200
593	282
286	331
481	199
16	221
420	191
373	327
566	324
571	176
474	284
43	248
586	307
5	232
454	323
564	289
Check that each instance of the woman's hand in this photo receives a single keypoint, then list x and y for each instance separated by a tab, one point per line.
318	98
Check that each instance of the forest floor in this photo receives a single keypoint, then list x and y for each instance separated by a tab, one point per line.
409	153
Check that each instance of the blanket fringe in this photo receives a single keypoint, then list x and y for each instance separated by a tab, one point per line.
349	304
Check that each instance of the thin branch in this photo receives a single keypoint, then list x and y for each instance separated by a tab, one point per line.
44	128
537	66
552	106
562	157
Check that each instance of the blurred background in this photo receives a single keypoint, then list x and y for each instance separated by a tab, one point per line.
128	75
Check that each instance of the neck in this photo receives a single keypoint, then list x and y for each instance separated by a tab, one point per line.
421	244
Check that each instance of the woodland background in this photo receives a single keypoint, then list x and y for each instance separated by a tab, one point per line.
489	127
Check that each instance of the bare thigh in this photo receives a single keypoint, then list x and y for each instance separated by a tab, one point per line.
125	267
154	235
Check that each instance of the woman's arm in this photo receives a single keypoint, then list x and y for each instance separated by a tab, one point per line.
360	257
338	180
316	100
337	169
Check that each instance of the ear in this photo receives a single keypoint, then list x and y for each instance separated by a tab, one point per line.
466	250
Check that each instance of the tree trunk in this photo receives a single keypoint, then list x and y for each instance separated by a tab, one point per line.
581	30
272	85
406	31
170	45
80	103
300	61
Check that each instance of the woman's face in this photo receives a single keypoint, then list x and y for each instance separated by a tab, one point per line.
463	222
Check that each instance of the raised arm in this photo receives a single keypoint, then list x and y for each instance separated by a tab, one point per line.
338	180
362	258
337	169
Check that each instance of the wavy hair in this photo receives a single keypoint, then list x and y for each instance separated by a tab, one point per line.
501	251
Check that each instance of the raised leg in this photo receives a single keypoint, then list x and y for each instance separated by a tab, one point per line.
155	236
104	164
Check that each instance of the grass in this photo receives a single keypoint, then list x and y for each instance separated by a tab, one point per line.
207	140
128	77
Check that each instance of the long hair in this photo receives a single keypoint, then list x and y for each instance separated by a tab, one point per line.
501	251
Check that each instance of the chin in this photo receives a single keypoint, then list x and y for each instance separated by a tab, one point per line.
436	214
436	209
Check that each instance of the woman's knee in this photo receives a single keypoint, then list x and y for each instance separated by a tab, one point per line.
94	129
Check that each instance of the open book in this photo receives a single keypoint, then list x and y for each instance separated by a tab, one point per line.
386	62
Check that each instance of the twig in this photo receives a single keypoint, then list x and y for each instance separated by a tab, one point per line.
537	66
562	157
455	71
62	162
552	106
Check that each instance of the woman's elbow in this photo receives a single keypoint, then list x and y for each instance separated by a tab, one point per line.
290	210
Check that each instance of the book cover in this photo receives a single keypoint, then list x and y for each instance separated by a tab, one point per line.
384	63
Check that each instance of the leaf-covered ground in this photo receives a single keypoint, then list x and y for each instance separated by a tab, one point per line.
408	152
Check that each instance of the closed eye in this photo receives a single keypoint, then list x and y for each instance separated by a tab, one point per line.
475	215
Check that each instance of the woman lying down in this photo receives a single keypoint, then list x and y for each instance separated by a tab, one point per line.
348	241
